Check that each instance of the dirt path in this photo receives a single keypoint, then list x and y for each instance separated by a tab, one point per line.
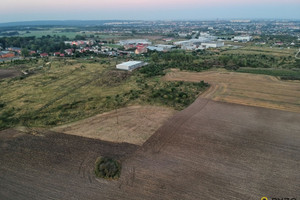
296	56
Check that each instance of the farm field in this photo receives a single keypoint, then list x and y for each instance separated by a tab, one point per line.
275	51
134	124
247	89
50	32
211	150
272	72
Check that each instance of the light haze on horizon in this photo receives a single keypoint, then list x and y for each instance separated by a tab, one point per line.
27	10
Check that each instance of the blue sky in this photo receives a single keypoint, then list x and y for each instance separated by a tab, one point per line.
26	10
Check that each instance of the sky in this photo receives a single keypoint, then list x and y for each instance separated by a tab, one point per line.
28	10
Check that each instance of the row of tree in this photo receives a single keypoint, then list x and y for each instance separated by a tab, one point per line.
199	61
44	44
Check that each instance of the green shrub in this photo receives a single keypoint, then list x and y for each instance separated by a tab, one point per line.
107	168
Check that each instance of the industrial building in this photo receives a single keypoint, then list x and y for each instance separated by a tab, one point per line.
135	42
246	38
131	65
216	44
190	42
161	47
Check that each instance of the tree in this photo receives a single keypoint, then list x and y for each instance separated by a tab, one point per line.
79	37
25	52
107	168
155	57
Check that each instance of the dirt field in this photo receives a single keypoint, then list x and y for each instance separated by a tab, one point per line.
211	150
5	73
134	124
247	89
53	165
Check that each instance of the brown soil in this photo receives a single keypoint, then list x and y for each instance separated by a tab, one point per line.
134	124
7	73
247	89
211	150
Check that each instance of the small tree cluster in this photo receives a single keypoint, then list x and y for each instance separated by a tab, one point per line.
107	168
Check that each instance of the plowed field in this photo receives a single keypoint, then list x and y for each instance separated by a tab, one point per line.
211	150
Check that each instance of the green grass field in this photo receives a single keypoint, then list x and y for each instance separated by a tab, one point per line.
38	34
67	91
70	35
274	51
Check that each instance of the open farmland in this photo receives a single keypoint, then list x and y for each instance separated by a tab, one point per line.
247	89
211	150
256	50
134	124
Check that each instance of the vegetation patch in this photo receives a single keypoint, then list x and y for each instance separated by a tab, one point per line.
107	168
282	73
112	78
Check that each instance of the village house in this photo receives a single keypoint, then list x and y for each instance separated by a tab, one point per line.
141	48
56	54
14	49
44	55
7	54
69	52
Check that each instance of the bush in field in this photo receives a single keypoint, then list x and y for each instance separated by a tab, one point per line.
107	168
7	118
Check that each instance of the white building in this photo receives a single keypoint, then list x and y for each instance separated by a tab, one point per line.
191	42
182	34
161	47
134	42
246	38
130	65
204	34
216	44
189	47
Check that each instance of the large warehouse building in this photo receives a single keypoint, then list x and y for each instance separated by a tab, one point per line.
131	65
215	44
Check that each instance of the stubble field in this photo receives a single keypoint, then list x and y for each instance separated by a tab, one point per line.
246	89
134	124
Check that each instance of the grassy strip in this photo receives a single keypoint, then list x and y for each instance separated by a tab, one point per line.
282	73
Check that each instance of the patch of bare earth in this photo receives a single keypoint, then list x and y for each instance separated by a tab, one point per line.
134	124
7	73
246	89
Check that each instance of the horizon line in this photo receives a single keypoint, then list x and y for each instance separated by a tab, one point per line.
204	19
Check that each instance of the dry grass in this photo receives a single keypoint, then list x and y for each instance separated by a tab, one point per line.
134	124
261	50
247	89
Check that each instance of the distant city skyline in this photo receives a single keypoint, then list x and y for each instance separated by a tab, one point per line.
28	10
